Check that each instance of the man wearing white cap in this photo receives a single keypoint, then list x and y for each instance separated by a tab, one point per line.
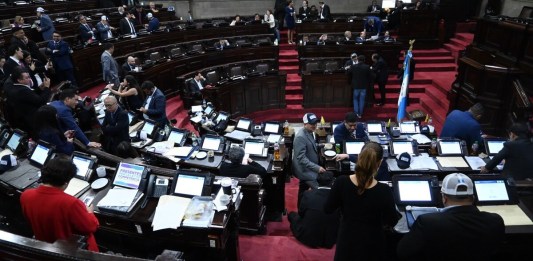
153	23
46	27
305	156
104	29
459	231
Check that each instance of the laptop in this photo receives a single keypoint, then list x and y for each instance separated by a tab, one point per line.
450	147
409	127
374	128
221	116
494	145
354	147
212	142
13	142
178	136
493	190
400	146
416	195
190	184
255	148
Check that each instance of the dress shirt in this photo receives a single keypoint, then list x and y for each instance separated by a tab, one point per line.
147	103
132	28
199	84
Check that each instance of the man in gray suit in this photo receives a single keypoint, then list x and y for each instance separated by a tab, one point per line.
305	156
109	65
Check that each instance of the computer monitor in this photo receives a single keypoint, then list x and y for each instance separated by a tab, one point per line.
494	145
14	141
493	190
41	154
409	127
130	175
149	128
244	124
209	110
374	127
388	4
401	146
190	184
254	147
84	165
354	147
450	147
272	127
178	136
415	190
221	116
212	142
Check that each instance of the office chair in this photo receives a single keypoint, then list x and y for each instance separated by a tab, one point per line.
155	57
262	67
264	41
331	66
235	71
242	43
212	77
175	52
197	48
312	67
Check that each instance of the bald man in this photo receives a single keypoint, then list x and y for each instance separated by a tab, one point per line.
129	65
115	126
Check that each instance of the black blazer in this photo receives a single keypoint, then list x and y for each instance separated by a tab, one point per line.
242	171
381	70
458	233
314	227
115	129
125	27
303	14
325	13
518	158
193	86
361	76
22	104
9	66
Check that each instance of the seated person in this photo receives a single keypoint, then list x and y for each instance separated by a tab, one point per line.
237	169
311	225
361	38
387	38
52	213
197	84
347	37
374	7
313	14
373	25
115	126
126	151
347	130
236	21
322	40
153	8
221	44
305	40
48	130
153	23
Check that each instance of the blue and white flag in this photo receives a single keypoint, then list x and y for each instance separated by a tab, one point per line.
402	99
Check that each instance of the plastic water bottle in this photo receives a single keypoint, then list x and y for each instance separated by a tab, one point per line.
433	149
277	155
286	127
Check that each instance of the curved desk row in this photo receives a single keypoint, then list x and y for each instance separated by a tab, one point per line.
56	7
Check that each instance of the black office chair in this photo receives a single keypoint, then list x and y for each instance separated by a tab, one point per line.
156	57
331	66
212	77
262	67
235	71
197	48
243	43
312	66
264	41
175	52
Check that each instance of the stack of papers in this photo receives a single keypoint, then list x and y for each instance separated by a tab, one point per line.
118	197
452	162
169	212
475	162
75	186
512	214
160	147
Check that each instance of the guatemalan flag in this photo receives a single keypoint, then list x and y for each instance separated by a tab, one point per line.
402	99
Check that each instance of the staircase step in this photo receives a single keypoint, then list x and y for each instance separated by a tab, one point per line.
437	113
174	106
431	59
294	107
459	43
289	69
293	90
467	37
432	53
288	62
439	99
393	79
395	88
435	68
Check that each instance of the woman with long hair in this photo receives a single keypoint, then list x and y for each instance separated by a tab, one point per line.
131	93
290	15
367	207
48	130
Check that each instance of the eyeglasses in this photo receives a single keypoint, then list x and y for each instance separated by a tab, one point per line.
109	105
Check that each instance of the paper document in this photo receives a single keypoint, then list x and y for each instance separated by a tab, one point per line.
197	118
135	127
273	138
197	108
421	138
75	186
160	147
178	151
512	214
169	212
475	162
452	162
118	197
423	162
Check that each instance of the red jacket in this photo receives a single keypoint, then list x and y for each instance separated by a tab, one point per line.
55	215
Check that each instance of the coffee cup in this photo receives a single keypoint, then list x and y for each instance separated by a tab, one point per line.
226	185
101	171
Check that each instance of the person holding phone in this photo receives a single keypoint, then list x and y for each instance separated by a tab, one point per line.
48	130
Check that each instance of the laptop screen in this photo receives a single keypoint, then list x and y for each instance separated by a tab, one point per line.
491	190
450	147
14	141
129	175
41	154
244	124
221	116
415	190
408	127
271	127
83	164
254	147
211	143
494	146
374	127
398	147
189	185
354	147
148	128
177	136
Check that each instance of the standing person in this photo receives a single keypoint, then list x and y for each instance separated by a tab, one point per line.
115	126
305	162
381	71
15	58
279	12
154	107
52	213
311	225
59	52
127	25
367	207
109	65
464	125
290	14
46	27
19	39
458	232
68	99
361	79
131	93
517	154
47	129
325	13
105	31
269	18
87	31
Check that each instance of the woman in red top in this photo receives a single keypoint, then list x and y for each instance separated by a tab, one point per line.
52	213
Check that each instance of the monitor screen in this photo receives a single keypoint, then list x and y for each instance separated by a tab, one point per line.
82	165
208	110
450	147
244	124
254	147
14	141
40	154
414	190
491	190
148	128
129	175
388	4
494	146
211	143
271	127
409	127
189	185
398	147
374	128
354	147
176	136
220	117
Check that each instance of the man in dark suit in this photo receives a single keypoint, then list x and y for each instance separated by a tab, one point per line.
458	232
361	38
324	13
352	61
19	39
129	65
381	71
87	31
46	27
305	156
221	44
59	51
14	59
347	37
236	169
104	29
196	85
311	225
115	126
361	79
154	107
304	10
517	154
139	15
374	7
127	24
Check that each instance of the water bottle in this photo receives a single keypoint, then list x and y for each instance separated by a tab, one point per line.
433	149
31	146
277	155
286	128
475	147
338	148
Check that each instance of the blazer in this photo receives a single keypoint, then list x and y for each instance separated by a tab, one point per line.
361	76
325	13
9	66
194	87
47	27
305	156
381	71
53	136
67	121
125	26
31	47
153	25
304	13
156	110
109	67
314	227
371	7
61	58
127	68
86	33
518	159
115	128
103	31
458	233
242	171
23	102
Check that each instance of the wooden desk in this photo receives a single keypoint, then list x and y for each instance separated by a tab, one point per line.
29	10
